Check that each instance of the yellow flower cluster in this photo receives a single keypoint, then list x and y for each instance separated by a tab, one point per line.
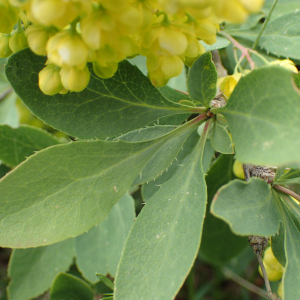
105	32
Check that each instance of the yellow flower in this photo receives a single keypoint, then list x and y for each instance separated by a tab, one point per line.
8	16
57	12
206	30
162	68
228	83
5	50
67	49
37	37
106	71
74	79
49	80
18	41
285	63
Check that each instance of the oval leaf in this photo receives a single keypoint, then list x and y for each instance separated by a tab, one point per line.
263	116
248	207
202	80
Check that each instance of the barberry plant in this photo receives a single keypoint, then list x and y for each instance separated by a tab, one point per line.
192	105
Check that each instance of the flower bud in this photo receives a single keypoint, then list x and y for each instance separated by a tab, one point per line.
75	80
5	50
285	63
49	80
91	30
173	41
37	37
8	16
18	41
105	71
67	49
228	83
238	169
171	66
54	12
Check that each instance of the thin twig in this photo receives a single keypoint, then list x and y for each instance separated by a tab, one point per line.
264	272
286	191
184	93
244	50
243	282
264	25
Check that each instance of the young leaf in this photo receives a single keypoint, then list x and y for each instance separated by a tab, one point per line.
202	80
165	238
289	178
248	207
221	43
99	250
64	190
220	139
262	114
105	280
280	37
21	142
33	270
67	286
218	243
107	107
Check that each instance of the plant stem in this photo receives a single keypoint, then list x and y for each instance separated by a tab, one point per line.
286	191
237	45
264	25
261	264
243	282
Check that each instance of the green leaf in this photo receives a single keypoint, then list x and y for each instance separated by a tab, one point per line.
282	7
218	243
280	37
105	280
99	250
150	188
221	43
277	242
146	134
107	107
8	111
202	80
248	207
221	140
33	270
289	178
262	114
79	184
21	142
291	279
67	287
164	240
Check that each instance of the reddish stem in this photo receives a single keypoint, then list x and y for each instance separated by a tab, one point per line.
245	51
